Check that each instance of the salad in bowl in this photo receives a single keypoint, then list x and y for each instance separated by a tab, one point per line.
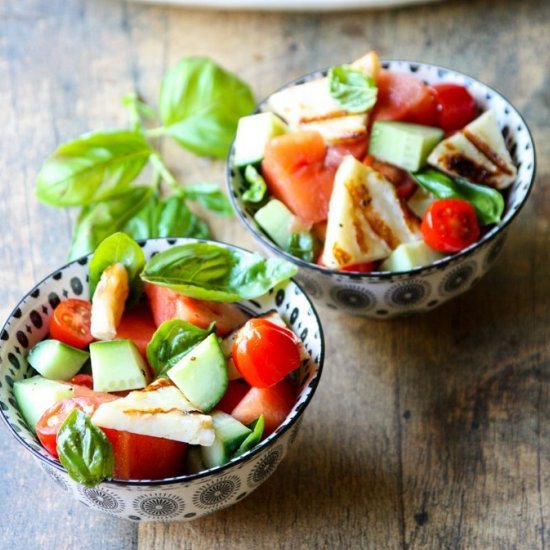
378	169
181	374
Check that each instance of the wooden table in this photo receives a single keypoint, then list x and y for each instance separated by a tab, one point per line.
427	432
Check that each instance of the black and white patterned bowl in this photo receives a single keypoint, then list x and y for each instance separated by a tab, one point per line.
172	499
384	295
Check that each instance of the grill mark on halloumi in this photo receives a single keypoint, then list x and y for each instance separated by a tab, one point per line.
486	149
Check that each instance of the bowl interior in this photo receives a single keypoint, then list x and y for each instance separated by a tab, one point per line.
28	324
514	129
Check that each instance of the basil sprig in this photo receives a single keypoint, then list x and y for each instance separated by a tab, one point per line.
213	272
302	246
257	188
118	249
352	89
253	438
488	202
84	450
171	341
200	105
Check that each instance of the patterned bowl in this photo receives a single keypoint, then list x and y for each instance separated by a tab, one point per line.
171	499
383	295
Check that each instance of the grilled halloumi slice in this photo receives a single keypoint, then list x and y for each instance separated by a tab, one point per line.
309	106
159	410
366	219
477	153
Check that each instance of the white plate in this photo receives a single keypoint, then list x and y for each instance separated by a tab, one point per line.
289	5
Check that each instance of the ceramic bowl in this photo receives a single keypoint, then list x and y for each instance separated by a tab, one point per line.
384	295
172	499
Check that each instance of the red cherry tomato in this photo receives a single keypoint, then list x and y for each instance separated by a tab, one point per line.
455	106
449	225
70	323
264	353
366	267
83	380
49	423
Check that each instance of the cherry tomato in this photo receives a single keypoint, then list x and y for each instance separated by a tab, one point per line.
449	225
70	323
264	353
49	423
83	380
455	106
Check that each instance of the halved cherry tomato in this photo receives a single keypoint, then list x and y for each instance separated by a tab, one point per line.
137	325
236	390
403	97
455	106
70	323
264	353
83	380
49	423
274	403
449	225
145	457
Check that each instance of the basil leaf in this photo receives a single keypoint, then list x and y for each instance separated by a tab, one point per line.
209	271
301	245
84	450
119	248
92	168
166	218
173	339
252	439
352	89
488	202
200	105
210	196
97	221
257	187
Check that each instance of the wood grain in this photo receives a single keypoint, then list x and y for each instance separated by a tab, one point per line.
427	432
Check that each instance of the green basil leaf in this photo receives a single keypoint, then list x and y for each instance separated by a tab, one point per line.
252	439
352	89
200	106
210	271
119	248
257	187
97	221
302	246
84	450
488	202
166	218
210	196
92	168
173	339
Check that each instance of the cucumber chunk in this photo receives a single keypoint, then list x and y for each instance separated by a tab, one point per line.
37	394
403	144
420	201
230	434
253	133
410	255
117	365
201	375
55	360
276	220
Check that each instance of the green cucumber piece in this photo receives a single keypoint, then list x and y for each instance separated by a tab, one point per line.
230	434
410	255
253	133
117	365
37	394
420	201
276	220
253	438
403	144
201	374
55	360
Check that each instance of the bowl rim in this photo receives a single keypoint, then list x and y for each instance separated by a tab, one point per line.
377	276
246	457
